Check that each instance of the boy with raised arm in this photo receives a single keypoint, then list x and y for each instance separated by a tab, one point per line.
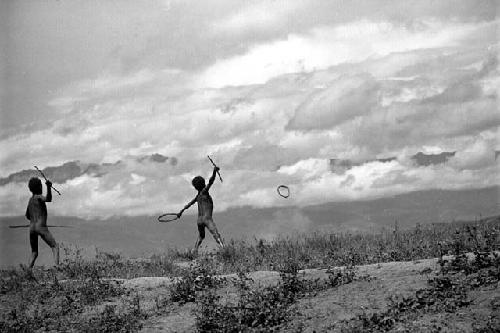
36	213
205	209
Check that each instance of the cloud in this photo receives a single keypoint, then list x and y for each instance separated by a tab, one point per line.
306	169
344	99
476	156
104	86
326	46
278	113
260	15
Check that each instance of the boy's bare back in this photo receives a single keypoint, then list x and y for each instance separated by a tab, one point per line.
205	205
36	211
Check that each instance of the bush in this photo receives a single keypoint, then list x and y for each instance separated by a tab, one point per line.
446	292
193	280
52	305
267	308
264	308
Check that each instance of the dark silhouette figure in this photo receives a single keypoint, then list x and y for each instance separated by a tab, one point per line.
205	209
36	213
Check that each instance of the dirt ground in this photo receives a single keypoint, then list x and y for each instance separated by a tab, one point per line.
318	313
323	311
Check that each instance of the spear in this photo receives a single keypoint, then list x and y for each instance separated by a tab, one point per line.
49	226
215	166
47	179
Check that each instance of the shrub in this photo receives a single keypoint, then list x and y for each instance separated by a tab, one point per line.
263	308
193	280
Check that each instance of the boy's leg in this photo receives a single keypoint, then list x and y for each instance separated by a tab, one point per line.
201	236
49	239
215	233
34	248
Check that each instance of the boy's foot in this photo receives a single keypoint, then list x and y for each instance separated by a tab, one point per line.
28	273
193	254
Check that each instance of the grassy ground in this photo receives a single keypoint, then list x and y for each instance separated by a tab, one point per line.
79	296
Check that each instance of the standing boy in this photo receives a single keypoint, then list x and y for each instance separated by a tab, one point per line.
205	209
36	212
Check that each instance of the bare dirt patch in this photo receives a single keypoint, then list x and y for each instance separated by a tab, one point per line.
323	310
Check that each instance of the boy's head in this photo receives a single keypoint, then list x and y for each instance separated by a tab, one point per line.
198	183
35	185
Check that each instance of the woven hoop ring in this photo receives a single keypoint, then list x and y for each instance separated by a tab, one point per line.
280	189
169	217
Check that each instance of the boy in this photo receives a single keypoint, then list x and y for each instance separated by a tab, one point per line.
205	209
36	212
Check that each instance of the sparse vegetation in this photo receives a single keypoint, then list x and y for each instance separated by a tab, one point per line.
329	250
194	280
79	296
262	308
54	305
116	266
447	292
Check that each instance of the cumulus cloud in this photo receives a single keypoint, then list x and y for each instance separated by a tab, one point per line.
260	15
324	47
478	155
373	92
344	99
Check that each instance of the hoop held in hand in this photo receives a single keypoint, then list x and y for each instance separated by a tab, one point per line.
168	217
283	191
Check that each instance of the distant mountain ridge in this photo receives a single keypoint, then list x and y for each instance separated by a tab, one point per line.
73	169
142	235
420	159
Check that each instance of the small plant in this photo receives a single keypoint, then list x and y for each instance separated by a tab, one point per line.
185	254
13	280
52	305
447	292
261	309
462	263
340	276
112	320
193	280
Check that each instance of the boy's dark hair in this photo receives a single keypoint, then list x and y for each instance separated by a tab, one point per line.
35	185
198	183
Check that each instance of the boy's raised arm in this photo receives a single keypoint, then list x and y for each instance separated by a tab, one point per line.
189	204
48	198
211	180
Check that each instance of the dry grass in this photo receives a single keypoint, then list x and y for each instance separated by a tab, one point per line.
92	303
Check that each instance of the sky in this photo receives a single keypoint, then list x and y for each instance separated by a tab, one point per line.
125	99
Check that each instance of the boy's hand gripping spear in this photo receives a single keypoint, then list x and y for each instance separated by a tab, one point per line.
47	180
215	166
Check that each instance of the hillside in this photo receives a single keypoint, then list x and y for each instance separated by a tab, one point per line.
441	277
337	308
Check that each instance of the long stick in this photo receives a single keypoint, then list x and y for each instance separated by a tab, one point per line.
215	166
47	180
49	226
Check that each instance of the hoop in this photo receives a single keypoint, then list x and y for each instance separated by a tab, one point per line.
278	189
168	217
